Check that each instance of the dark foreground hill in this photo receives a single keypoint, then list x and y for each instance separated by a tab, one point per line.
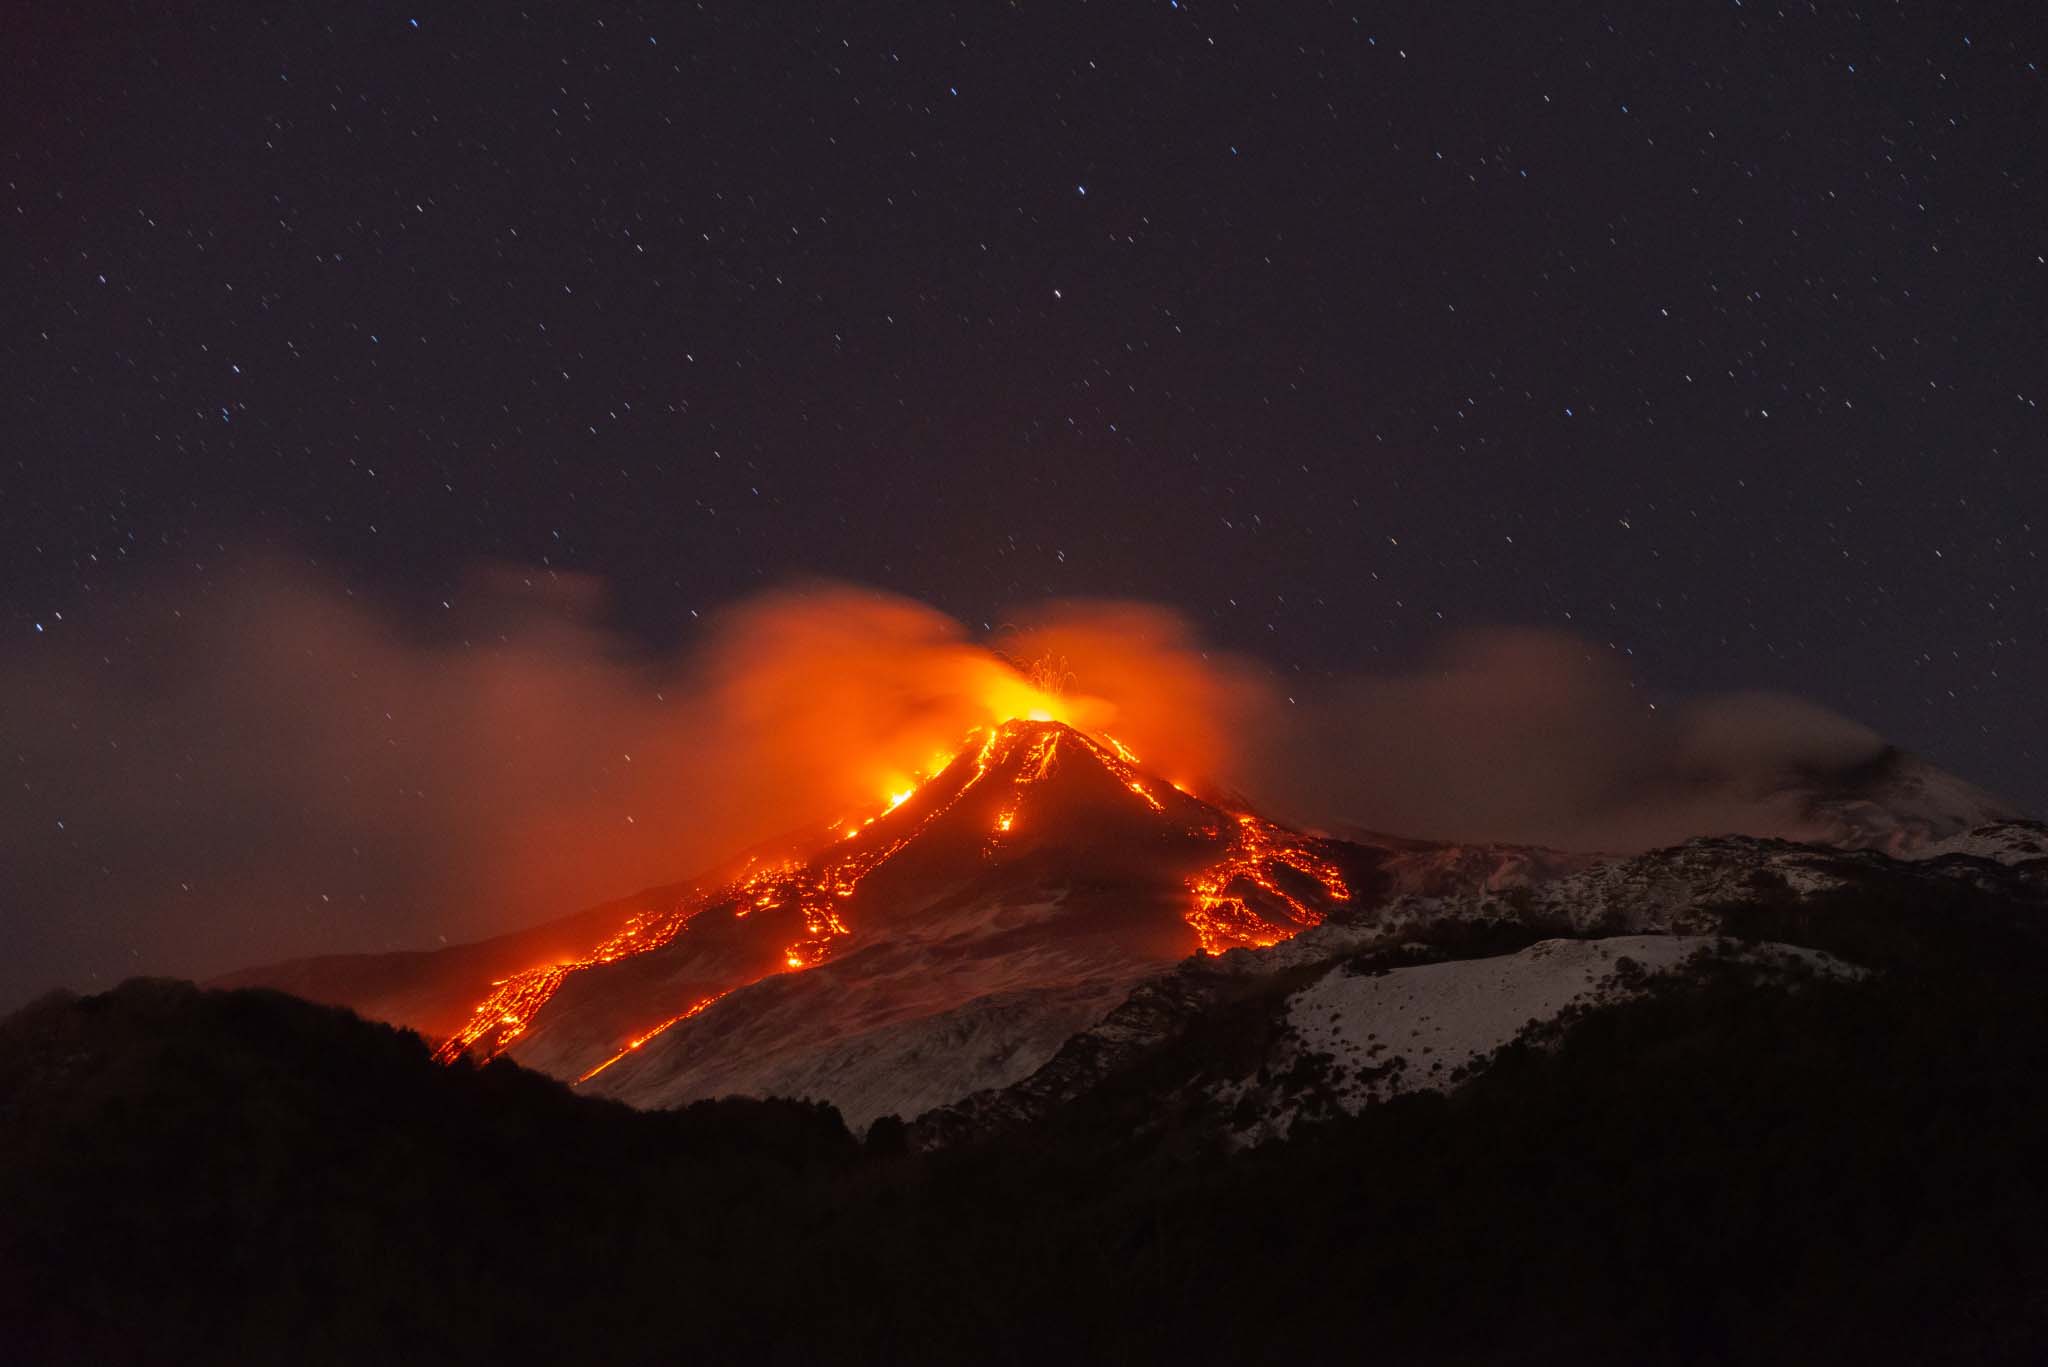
1734	1167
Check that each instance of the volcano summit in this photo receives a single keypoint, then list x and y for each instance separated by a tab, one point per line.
948	942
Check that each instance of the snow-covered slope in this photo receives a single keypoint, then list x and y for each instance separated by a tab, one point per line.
1409	995
905	1066
1368	1036
898	1027
1684	889
975	991
1428	868
2015	844
1896	802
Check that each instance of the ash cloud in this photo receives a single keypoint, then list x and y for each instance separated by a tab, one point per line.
279	767
1514	735
1535	737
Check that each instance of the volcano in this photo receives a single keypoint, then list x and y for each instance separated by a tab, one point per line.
947	942
1071	981
941	945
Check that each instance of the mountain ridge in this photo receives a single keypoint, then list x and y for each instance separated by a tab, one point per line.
1030	888
1766	1095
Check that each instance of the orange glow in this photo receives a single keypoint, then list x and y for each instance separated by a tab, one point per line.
1123	751
502	1017
1242	899
1224	919
1009	696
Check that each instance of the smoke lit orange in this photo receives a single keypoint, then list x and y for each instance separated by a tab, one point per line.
1260	888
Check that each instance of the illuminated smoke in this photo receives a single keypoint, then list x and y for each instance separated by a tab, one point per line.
1541	738
269	765
1237	871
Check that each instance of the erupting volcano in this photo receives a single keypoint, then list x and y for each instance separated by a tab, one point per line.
1035	872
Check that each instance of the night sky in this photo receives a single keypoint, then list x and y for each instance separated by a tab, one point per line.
1712	333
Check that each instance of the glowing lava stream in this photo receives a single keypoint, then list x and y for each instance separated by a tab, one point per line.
1220	918
503	1016
1224	920
697	1009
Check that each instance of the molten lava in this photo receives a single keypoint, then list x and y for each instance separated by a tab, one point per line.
1255	885
503	1016
697	1009
1223	917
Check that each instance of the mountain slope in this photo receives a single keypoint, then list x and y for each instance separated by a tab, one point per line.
1428	981
956	941
1011	899
1729	1165
209	1176
948	943
1895	801
436	991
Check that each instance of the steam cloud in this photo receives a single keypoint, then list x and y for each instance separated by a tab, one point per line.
1534	737
290	770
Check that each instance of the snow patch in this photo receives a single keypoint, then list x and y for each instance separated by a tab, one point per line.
2012	843
1425	1027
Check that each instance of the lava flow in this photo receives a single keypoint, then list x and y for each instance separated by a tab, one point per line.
502	1017
1224	919
1263	886
815	889
697	1009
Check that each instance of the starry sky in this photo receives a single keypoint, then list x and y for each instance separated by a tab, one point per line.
1712	333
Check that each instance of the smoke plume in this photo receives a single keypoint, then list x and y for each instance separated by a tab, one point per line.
280	767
